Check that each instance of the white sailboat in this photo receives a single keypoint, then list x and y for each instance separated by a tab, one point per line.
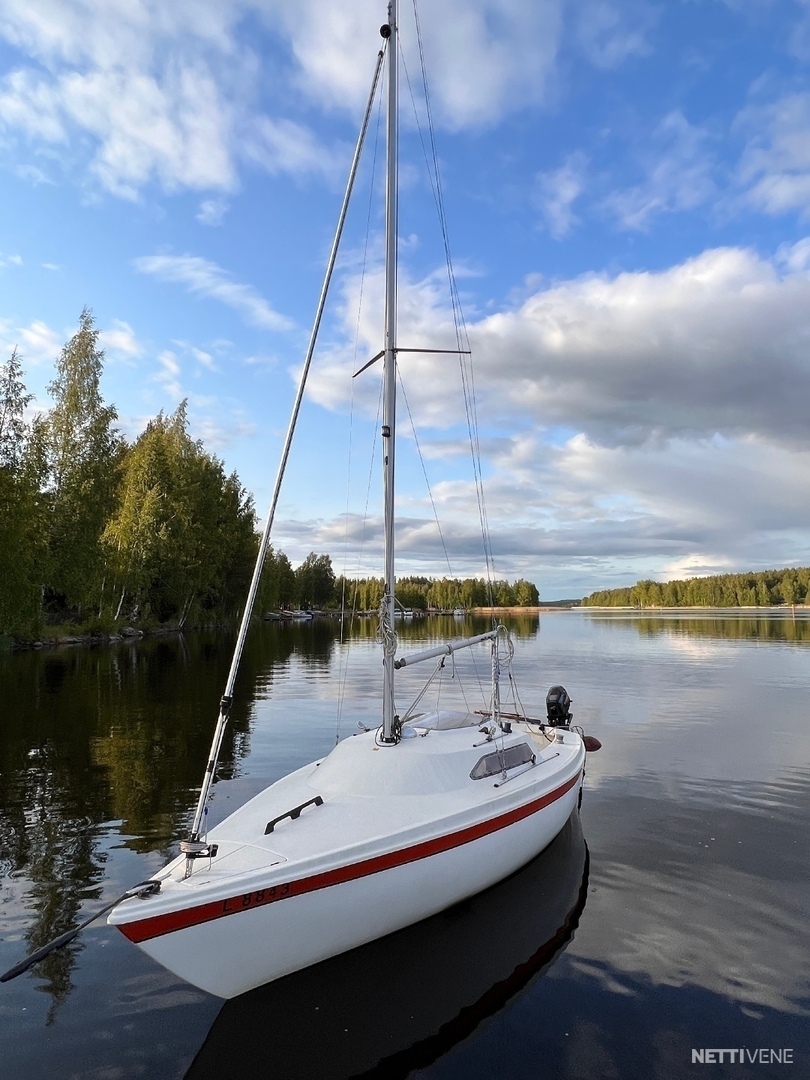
394	825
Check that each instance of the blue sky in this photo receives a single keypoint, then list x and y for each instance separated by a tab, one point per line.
628	197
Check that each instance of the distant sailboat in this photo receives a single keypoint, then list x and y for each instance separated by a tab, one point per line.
395	824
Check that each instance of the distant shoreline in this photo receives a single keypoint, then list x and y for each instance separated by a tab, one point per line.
802	611
701	609
528	610
753	609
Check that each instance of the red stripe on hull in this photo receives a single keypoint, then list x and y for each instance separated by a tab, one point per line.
157	925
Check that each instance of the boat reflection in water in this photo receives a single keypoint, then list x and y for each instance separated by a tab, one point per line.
446	975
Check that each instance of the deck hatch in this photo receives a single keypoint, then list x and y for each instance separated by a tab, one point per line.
502	760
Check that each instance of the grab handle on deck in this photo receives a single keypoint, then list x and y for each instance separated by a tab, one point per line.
294	813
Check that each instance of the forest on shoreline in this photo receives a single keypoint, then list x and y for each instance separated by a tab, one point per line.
97	533
766	588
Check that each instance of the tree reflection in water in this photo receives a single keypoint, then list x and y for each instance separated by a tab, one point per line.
111	740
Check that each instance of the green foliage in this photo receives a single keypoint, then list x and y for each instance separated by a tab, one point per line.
526	594
22	548
277	588
360	594
94	531
315	581
82	452
13	403
443	594
182	533
762	589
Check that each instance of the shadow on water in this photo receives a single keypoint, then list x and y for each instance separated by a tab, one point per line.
403	1002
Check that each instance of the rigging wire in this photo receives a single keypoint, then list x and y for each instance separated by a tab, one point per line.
465	366
456	675
424	472
460	685
462	335
345	674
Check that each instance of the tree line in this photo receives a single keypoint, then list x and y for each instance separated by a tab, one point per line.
424	593
94	529
762	589
98	531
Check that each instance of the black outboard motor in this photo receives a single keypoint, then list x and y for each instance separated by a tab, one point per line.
558	707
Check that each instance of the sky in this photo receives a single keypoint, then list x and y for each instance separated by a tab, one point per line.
627	192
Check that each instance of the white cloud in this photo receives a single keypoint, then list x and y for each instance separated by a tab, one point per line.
678	164
218	436
203	278
212	211
37	342
609	33
557	191
184	359
285	146
510	45
800	38
204	359
104	35
175	131
795	257
150	90
262	360
168	375
423	323
33	174
119	341
146	92
716	344
31	103
696	485
775	166
632	423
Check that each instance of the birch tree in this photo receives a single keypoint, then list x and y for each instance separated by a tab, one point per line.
83	452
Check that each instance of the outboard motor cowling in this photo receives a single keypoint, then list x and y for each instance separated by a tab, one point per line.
558	707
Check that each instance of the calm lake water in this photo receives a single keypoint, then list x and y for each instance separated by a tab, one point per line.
673	915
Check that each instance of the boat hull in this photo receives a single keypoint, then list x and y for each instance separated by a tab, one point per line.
284	919
453	971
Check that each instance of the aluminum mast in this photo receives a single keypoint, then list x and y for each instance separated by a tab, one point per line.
387	631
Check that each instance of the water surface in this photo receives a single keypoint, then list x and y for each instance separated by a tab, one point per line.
672	916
